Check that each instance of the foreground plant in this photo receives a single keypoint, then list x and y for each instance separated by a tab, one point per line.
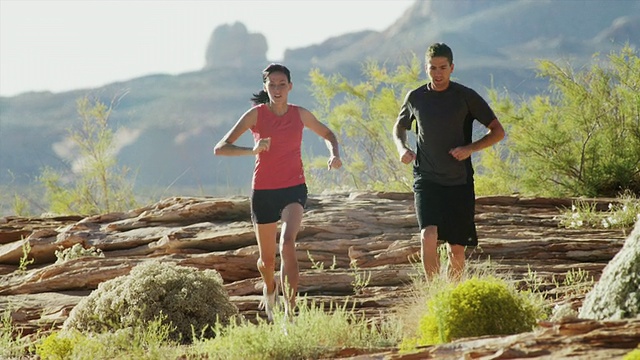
316	332
12	344
622	214
475	307
144	341
185	298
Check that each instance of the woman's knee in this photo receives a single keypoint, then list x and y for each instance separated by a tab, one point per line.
264	264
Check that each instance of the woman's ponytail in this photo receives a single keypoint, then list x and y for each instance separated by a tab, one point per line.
260	98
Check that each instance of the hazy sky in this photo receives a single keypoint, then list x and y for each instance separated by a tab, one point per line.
63	45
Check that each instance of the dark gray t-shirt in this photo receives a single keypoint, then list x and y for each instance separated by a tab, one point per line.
444	120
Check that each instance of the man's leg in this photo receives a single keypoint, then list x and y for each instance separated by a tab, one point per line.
429	249
289	272
456	257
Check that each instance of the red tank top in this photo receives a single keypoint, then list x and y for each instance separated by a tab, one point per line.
281	166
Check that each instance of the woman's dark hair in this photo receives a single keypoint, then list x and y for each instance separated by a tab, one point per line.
262	97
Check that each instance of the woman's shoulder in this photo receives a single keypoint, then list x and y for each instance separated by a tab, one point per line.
302	111
257	110
250	117
258	107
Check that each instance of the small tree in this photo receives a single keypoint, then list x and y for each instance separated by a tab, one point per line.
97	184
583	138
363	116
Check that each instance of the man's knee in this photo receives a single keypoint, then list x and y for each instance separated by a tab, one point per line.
456	251
429	235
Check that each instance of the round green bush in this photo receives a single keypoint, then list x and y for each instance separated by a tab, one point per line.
477	307
632	355
56	346
189	300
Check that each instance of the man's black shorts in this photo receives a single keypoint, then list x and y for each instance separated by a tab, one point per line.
450	208
267	205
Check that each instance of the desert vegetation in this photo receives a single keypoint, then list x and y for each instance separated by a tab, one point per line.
580	138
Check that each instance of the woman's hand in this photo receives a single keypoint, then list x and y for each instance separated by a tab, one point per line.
334	162
262	145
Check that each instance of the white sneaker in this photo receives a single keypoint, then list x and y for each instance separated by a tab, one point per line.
269	301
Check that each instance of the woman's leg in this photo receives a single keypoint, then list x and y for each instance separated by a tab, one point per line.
289	273
266	236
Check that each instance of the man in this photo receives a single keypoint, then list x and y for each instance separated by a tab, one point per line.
443	174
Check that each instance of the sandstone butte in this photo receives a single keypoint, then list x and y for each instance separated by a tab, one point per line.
377	231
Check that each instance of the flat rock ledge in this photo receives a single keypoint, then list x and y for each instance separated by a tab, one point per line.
344	236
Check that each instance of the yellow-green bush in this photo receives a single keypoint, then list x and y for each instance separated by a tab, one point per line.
633	355
476	307
188	299
148	341
57	346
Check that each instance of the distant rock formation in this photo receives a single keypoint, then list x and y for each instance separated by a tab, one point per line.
624	28
301	56
234	46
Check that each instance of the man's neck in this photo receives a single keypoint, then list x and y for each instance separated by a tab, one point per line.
441	87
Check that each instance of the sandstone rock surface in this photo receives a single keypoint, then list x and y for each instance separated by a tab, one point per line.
375	231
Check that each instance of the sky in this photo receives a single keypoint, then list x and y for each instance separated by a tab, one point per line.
53	45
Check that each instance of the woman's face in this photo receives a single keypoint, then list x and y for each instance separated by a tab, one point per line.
278	87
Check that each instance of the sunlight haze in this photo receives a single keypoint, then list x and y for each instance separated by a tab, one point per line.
65	45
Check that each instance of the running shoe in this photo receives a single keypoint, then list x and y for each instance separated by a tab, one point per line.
269	301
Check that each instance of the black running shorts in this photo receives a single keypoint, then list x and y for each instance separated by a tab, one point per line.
450	208
267	205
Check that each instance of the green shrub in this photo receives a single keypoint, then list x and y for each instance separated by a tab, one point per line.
583	214
76	251
97	184
633	355
580	138
317	332
476	307
58	345
12	343
186	298
149	341
362	114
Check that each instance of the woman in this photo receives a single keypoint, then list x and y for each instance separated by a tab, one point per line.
279	191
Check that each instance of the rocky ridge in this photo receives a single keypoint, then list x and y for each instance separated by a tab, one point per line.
344	235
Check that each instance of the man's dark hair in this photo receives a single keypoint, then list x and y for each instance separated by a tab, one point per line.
262	97
439	50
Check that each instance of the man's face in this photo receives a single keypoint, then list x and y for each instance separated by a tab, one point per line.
439	71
